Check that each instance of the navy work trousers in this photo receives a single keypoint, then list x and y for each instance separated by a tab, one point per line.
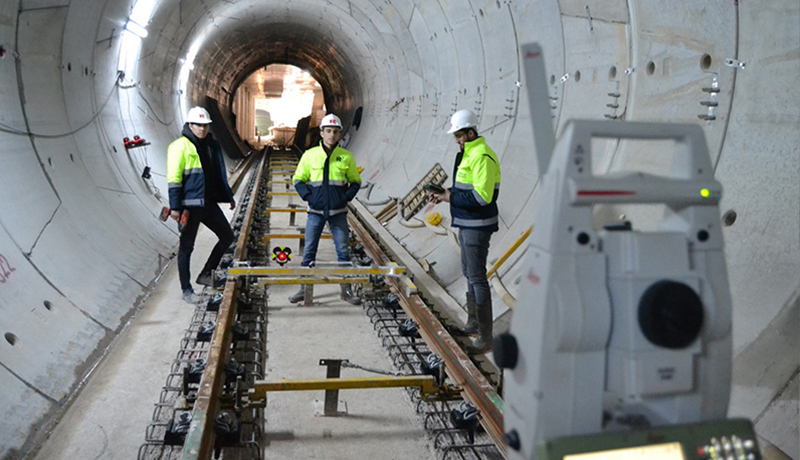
212	217
474	251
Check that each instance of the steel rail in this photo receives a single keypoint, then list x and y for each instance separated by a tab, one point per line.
199	444
476	388
245	165
200	439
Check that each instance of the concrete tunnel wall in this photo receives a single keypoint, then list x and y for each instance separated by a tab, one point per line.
80	241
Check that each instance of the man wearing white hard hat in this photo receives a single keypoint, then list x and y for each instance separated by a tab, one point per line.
473	208
197	180
327	178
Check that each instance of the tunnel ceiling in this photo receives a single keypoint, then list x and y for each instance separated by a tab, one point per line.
246	36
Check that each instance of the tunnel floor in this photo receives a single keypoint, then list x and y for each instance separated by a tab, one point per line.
108	418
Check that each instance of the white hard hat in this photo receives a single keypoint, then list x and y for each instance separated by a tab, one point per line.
199	116
330	120
461	120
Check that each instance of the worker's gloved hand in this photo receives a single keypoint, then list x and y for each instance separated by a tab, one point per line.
233	204
175	215
437	198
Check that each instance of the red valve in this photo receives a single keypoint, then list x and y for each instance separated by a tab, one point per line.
135	142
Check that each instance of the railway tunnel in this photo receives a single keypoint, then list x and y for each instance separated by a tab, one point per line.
82	245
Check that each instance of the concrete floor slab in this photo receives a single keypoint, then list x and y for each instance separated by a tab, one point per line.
780	419
378	423
107	419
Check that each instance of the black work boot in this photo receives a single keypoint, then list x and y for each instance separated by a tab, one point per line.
471	326
349	296
205	278
484	341
299	295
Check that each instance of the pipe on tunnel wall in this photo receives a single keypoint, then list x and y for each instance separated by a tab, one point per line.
80	243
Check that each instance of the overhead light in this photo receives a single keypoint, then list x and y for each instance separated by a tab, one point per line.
135	28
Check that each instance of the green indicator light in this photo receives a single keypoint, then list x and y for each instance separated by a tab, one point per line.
705	193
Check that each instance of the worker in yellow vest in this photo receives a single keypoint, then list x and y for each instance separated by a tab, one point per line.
197	180
473	208
327	178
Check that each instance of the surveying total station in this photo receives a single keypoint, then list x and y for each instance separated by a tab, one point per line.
622	346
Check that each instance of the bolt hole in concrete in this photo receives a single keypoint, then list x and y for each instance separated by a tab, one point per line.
11	338
552	79
651	68
705	62
577	76
48	305
612	72
729	218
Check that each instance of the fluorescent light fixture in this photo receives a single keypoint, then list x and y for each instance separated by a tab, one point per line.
142	11
133	34
186	69
135	28
128	53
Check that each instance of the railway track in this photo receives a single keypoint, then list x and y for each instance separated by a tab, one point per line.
211	405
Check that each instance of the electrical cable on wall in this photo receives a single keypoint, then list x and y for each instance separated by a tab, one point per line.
10	130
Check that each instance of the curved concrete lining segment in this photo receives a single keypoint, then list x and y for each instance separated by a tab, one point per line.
80	240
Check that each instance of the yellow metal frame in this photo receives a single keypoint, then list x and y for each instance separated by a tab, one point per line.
307	271
271	194
261	387
411	288
289	236
269	210
274	182
300	280
508	252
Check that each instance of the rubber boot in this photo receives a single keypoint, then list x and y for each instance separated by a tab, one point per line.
484	341
299	295
349	296
471	326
